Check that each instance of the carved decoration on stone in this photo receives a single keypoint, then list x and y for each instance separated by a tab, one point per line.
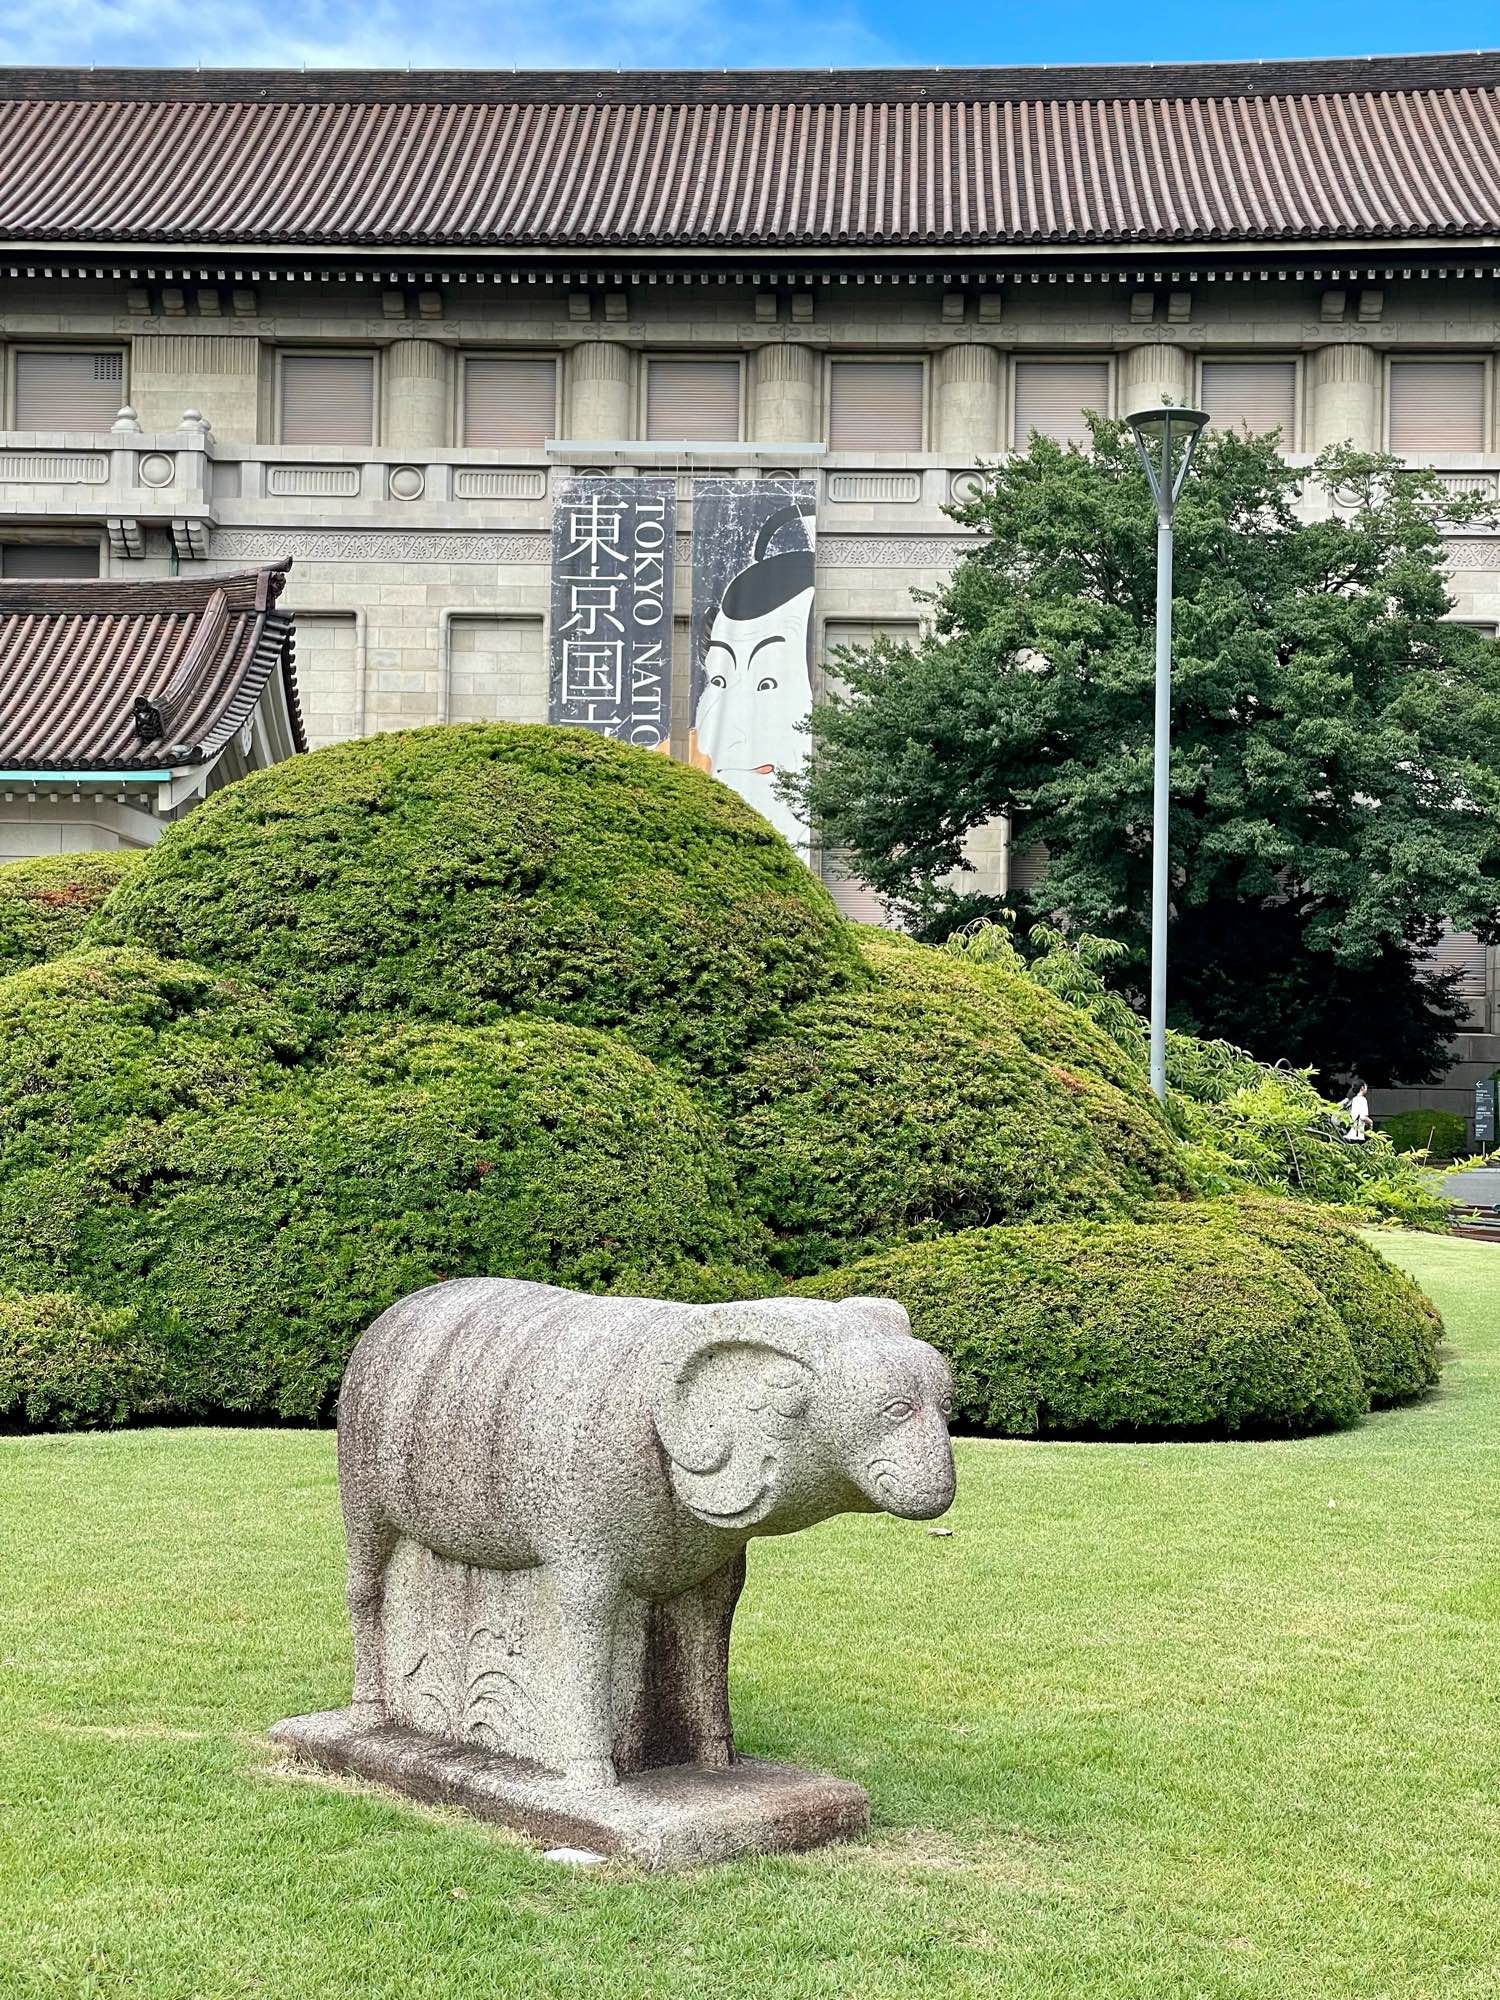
125	536
478	546
190	539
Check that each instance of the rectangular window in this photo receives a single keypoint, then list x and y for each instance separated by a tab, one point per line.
497	670
49	559
1463	953
696	401
875	406
1437	406
68	392
327	399
1051	397
1253	396
510	403
327	653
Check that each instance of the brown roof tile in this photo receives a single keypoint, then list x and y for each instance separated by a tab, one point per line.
138	676
1207	154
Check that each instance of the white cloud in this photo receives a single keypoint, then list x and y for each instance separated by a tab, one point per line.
443	34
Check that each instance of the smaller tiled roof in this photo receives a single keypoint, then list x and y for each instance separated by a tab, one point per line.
113	676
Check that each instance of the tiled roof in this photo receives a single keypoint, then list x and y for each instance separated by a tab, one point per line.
138	676
1383	150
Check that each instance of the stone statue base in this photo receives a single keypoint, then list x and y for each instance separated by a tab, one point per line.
681	1816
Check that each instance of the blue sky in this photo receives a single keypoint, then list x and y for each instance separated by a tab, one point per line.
714	33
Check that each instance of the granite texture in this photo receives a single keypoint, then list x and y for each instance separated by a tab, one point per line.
547	1499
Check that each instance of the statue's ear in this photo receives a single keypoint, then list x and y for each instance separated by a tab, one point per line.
876	1315
727	1408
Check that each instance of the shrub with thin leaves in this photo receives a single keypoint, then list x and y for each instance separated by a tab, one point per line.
912	1106
104	1036
66	1363
466	873
47	903
1393	1328
254	1243
1120	1331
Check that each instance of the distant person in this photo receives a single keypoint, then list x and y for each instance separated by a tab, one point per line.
1356	1107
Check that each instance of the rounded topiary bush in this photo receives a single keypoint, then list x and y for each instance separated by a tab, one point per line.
103	1036
1393	1327
911	1106
46	904
465	872
1119	1331
65	1362
255	1243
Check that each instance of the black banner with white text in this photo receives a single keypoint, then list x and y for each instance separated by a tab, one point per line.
612	549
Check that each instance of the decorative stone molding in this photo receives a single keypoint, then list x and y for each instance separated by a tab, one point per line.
190	540
971	362
379	545
784	361
323	482
498	483
407	482
155	468
1474	554
600	361
892	551
1347	362
477	546
53	468
417	360
191	354
877	488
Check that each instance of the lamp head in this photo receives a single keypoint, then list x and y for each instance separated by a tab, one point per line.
1164	438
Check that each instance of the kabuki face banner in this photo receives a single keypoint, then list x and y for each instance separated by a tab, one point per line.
612	548
752	637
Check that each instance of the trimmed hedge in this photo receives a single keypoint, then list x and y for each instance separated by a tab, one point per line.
1120	1331
911	1106
103	1036
1442	1134
66	1363
463	873
1393	1327
46	904
255	1243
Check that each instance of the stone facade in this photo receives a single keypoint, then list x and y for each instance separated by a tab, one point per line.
420	573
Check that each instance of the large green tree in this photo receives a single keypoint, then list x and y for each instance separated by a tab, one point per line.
1336	741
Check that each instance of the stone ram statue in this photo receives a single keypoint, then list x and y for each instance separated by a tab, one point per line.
570	1483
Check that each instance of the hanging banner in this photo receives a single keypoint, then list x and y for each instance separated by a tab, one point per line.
752	637
613	542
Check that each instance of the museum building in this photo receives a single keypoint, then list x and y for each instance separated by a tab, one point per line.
372	322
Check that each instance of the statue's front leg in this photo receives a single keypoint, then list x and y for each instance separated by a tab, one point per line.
704	1619
371	1544
583	1743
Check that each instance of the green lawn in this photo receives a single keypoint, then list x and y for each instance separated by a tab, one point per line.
1174	1720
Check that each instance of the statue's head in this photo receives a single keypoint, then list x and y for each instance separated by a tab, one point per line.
777	1413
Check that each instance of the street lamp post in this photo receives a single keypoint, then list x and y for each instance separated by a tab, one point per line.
1164	438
